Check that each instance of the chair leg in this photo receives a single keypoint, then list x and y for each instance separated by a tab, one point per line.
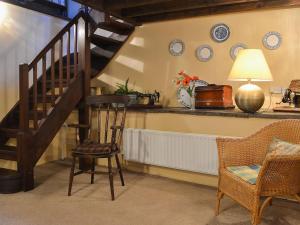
111	181
254	218
119	169
257	210
71	176
220	195
93	171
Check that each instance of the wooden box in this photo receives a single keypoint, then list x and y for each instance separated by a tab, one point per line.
213	96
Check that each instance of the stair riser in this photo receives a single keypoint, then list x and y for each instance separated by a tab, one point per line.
10	181
9	157
10	186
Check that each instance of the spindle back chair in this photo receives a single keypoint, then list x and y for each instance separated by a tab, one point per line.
107	121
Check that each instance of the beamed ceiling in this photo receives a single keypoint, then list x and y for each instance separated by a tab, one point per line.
143	11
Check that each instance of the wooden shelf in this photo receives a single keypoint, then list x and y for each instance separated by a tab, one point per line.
215	112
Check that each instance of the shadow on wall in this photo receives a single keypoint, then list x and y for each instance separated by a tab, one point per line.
149	45
23	33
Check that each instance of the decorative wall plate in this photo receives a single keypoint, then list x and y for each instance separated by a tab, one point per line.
234	50
176	47
204	53
220	32
272	40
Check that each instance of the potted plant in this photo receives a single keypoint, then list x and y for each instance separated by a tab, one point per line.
122	89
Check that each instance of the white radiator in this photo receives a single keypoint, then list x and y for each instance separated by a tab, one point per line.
191	152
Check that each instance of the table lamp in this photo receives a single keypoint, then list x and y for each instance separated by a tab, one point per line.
250	65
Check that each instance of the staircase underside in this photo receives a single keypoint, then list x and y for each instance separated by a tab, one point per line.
143	11
70	98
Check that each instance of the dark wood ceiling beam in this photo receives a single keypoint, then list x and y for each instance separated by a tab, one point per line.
121	4
95	4
177	5
261	4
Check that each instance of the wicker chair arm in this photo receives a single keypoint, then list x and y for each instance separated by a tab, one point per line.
279	175
252	149
242	151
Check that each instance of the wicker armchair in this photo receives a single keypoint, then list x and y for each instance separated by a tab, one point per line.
278	176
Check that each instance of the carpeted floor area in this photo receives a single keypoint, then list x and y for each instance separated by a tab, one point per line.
145	200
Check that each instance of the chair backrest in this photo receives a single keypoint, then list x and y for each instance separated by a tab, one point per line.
108	113
286	130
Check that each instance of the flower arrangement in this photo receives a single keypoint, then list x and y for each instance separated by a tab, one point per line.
186	81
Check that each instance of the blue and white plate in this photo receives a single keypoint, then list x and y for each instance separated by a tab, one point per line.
220	32
272	40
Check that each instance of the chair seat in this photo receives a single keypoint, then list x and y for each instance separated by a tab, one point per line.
246	173
231	183
89	147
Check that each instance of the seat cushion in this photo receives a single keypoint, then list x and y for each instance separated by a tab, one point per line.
283	148
247	173
90	147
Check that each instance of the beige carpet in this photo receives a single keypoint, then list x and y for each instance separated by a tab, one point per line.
145	200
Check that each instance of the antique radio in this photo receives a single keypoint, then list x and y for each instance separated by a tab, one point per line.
213	96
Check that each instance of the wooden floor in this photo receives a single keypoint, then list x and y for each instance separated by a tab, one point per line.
145	200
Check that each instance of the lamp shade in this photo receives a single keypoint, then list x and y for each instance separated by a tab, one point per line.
250	65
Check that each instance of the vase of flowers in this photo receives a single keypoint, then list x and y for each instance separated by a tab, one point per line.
186	88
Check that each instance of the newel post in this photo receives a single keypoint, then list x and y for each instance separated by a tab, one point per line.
84	65
24	150
24	96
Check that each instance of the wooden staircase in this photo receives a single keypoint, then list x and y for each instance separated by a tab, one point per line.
66	66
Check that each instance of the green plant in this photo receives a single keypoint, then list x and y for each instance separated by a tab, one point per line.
123	89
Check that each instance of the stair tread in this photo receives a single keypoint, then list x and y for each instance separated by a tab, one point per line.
9	148
102	53
105	42
8	152
116	27
8	173
9	132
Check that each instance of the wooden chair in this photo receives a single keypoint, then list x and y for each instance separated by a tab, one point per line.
278	176
105	140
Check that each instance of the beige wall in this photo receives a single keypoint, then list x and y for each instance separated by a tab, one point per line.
222	126
23	34
148	64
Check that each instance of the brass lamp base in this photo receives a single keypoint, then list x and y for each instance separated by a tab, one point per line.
249	98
